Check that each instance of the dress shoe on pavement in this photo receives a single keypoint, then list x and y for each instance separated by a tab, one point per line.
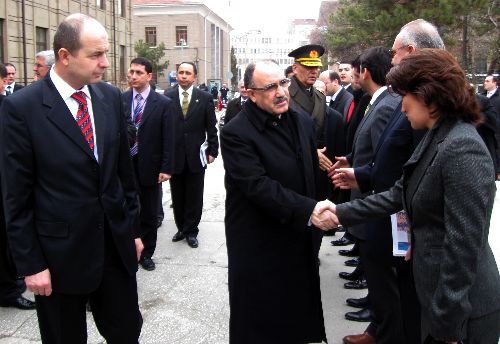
357	284
192	241
350	276
362	302
19	302
352	262
363	338
342	242
147	264
178	237
353	252
363	315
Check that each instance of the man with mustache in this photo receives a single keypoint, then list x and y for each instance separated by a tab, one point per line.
328	123
271	168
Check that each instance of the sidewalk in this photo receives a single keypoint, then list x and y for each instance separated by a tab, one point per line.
185	300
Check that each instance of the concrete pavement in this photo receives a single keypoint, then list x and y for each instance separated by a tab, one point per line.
185	300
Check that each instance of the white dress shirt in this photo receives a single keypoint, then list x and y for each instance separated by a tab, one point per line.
66	91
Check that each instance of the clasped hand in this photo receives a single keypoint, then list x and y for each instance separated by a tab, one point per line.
323	215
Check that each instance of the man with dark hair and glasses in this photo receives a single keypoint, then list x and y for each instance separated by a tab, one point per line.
330	137
271	168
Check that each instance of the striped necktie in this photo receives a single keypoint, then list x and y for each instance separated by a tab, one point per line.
137	116
83	118
8	91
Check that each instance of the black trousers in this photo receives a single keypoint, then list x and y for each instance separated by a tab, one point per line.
148	200
393	300
8	287
114	304
186	189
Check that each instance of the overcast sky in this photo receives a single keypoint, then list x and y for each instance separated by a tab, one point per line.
264	14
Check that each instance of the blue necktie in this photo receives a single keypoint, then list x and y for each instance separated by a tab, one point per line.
139	105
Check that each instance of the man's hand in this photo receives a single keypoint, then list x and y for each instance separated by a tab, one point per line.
211	159
322	216
138	248
163	177
324	162
341	162
40	283
344	178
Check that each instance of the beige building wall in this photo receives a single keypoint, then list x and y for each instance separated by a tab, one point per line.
208	43
19	31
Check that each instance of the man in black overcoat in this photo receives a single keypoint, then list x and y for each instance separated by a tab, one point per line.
271	168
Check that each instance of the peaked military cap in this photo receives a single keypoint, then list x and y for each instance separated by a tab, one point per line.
308	55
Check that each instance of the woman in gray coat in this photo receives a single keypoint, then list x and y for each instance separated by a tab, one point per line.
447	191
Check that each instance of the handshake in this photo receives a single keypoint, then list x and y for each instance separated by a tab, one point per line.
324	215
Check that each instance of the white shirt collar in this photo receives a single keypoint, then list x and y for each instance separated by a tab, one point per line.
64	89
11	86
189	91
377	93
336	94
144	94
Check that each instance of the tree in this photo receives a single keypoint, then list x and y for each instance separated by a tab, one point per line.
153	54
234	70
468	27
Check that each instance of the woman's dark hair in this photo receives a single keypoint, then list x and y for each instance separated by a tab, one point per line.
435	77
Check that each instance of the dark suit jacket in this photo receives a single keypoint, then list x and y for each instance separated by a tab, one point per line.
191	131
58	199
232	109
155	137
488	130
17	87
456	277
272	281
366	139
342	102
361	102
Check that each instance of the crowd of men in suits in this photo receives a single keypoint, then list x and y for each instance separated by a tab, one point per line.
77	237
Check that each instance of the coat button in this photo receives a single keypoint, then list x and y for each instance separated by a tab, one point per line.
275	124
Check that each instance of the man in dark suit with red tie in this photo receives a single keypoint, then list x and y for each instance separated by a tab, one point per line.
194	122
152	151
69	196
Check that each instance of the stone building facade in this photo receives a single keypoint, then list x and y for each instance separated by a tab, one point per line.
191	31
28	26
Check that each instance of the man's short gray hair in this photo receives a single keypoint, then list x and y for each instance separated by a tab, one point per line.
421	34
48	56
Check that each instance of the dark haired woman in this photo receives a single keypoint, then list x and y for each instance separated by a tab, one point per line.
447	190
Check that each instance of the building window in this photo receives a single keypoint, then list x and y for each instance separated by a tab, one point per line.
151	36
123	70
41	39
1	42
181	36
101	4
122	7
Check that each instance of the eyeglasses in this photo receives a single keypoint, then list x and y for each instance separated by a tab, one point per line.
273	87
393	52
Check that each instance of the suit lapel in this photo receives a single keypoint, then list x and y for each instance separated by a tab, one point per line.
150	106
194	103
368	114
100	108
127	103
62	118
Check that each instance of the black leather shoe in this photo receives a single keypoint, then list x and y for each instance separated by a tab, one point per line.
362	302
178	237
147	264
362	315
192	241
19	302
352	262
353	252
342	242
357	284
351	276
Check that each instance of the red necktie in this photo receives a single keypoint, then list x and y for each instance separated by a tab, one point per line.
83	118
351	110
